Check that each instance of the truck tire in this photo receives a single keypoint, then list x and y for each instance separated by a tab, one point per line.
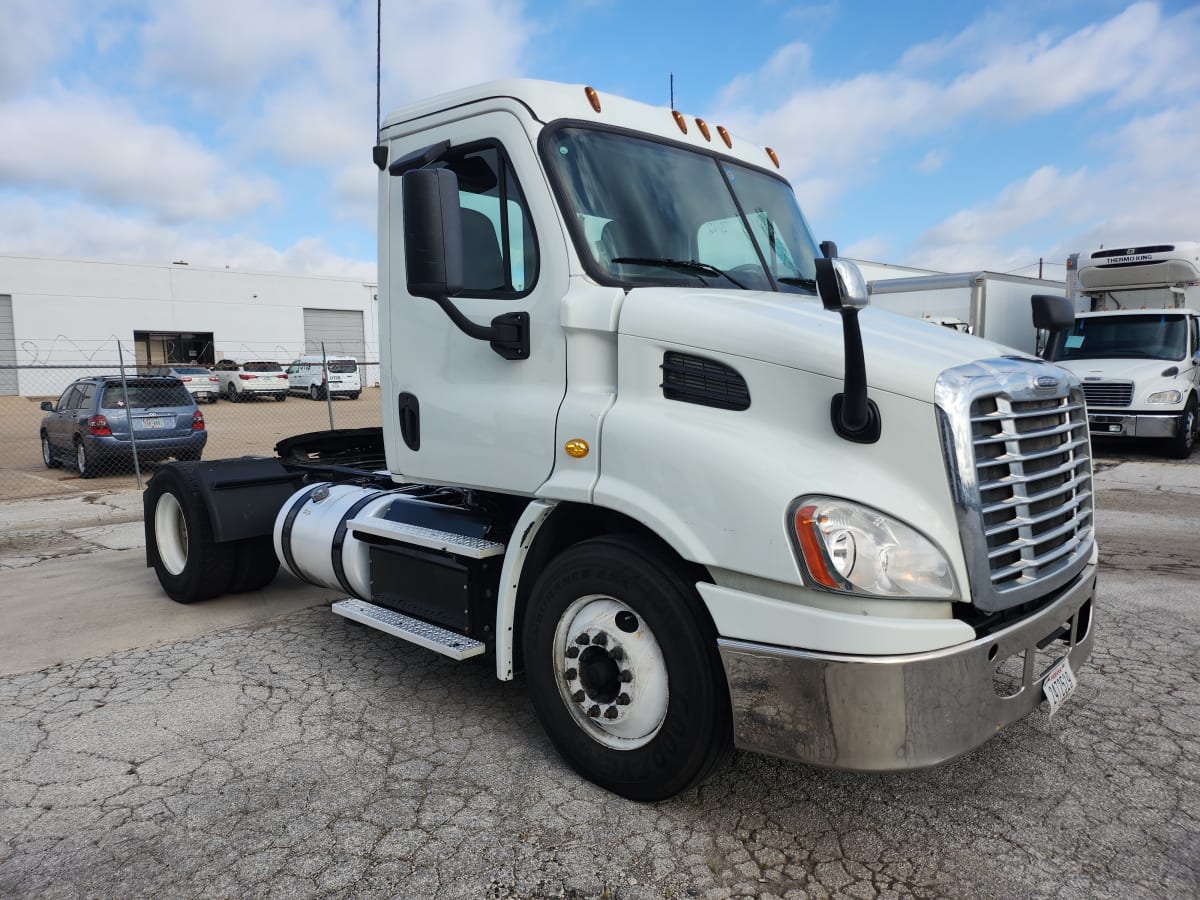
624	671
1180	446
190	565
256	565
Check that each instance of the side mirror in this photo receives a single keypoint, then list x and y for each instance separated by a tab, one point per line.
432	233
47	406
841	284
1052	312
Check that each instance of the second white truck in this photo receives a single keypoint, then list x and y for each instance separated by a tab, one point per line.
645	445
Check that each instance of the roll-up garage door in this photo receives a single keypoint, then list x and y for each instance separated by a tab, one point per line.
8	348
340	329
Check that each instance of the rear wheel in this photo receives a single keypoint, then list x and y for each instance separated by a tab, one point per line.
1180	446
231	393
83	461
354	396
624	671
280	397
313	393
190	565
256	565
48	457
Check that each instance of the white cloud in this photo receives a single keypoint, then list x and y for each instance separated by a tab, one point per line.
33	35
103	150
79	231
930	162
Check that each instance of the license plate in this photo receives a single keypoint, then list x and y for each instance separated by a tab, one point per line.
1059	684
148	422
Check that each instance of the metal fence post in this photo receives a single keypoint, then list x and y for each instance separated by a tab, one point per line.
137	469
328	393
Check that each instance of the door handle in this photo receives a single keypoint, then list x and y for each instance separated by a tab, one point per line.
410	420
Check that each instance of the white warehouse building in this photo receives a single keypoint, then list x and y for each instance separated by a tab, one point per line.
63	318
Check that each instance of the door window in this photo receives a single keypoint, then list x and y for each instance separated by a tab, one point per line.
500	257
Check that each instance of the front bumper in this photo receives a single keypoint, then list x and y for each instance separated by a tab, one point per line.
897	712
1142	425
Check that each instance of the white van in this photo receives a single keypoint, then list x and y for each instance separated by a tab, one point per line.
339	376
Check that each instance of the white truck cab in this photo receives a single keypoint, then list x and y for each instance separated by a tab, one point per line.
1137	351
646	444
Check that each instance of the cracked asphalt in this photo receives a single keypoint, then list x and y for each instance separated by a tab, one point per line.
305	756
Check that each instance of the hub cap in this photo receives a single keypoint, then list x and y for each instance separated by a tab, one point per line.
611	673
170	533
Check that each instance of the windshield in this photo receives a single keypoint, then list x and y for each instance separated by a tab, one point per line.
654	213
1123	337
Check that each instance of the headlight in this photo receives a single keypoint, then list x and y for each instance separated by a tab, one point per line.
1165	397
853	549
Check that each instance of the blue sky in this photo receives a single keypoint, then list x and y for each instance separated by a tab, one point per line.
948	136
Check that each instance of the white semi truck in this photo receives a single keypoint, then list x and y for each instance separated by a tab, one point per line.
643	443
1137	350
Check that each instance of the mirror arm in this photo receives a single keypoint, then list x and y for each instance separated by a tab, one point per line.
508	333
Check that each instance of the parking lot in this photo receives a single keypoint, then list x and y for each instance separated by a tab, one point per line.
262	746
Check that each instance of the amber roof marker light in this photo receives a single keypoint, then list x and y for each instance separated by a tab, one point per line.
593	97
679	120
703	126
725	136
774	157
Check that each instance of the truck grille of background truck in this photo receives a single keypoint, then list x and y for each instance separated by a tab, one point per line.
1108	393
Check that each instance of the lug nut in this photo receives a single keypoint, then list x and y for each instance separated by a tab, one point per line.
622	699
579	696
572	652
610	713
571	674
617	653
626	676
594	711
583	640
600	640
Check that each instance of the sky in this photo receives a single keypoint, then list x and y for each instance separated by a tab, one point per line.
941	135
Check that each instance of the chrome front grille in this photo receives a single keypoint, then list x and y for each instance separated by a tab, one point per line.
1019	454
1108	393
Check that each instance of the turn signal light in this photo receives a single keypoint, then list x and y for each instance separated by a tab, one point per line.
812	547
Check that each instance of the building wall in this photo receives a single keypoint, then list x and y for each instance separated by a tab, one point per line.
73	312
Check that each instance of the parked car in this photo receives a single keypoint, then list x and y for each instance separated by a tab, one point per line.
89	426
338	376
241	381
200	382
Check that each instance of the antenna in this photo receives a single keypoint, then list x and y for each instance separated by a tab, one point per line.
379	152
672	90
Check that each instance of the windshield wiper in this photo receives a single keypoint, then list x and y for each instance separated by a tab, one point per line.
684	265
810	283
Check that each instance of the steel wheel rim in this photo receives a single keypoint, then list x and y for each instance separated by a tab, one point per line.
170	533
610	672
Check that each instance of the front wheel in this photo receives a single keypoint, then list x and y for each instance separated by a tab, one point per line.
624	671
189	563
1180	446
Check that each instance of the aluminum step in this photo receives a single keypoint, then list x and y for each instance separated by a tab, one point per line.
431	637
446	541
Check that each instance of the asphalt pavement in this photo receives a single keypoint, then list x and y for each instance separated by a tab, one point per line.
294	754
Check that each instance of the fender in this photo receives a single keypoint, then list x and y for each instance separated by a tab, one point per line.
528	526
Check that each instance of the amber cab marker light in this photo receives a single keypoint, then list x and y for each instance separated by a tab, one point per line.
680	120
774	158
725	136
703	126
577	447
811	546
593	98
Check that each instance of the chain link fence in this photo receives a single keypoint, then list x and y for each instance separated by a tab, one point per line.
100	418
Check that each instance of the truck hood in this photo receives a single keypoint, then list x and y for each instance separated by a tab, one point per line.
904	356
1135	370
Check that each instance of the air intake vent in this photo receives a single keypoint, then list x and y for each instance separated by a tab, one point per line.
1108	393
693	379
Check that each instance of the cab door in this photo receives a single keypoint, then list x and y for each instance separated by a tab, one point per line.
455	411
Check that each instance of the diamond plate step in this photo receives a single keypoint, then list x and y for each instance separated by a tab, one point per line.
446	541
431	637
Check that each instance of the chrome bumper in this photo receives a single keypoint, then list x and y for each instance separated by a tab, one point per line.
1133	425
896	712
